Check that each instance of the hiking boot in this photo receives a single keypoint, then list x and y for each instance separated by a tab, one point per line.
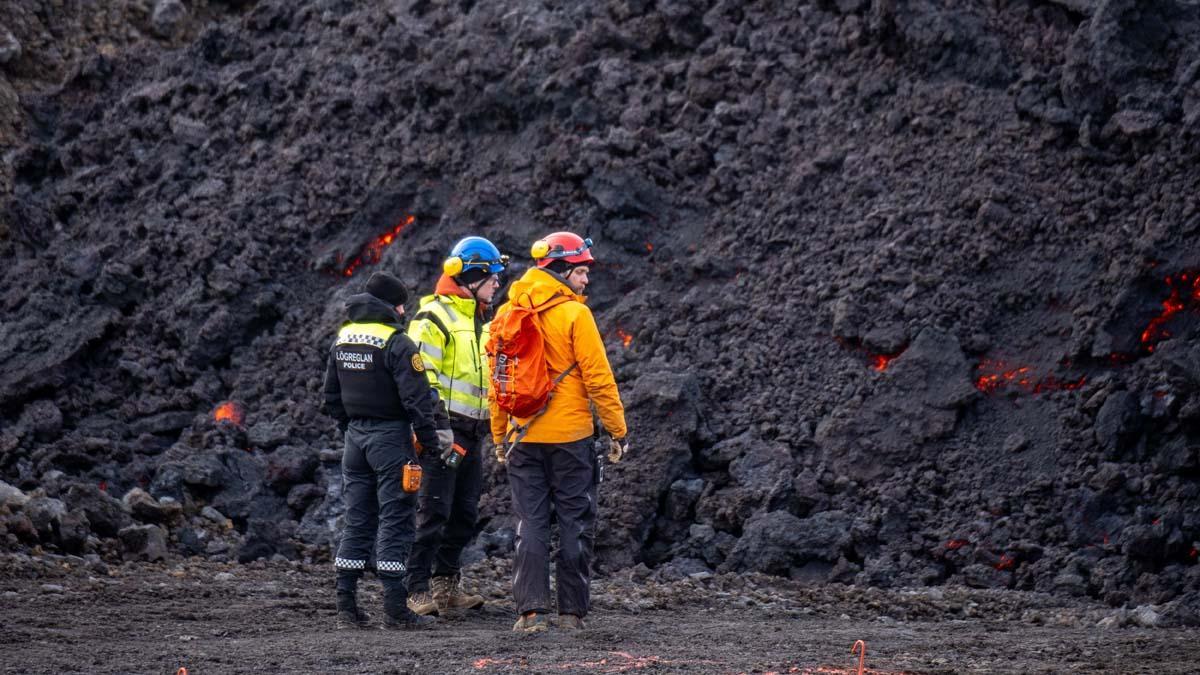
449	596
408	621
422	603
568	622
349	616
531	622
355	620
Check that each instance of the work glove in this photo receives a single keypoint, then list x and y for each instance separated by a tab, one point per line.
453	455
617	447
498	449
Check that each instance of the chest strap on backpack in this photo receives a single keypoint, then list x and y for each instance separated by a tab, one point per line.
518	431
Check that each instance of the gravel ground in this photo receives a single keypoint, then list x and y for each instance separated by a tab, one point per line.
69	616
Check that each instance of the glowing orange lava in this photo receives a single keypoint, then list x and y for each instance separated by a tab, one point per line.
373	251
1184	287
993	375
955	544
878	362
229	411
1005	562
649	247
626	338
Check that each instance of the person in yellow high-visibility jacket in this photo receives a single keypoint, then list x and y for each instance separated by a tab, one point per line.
450	330
554	462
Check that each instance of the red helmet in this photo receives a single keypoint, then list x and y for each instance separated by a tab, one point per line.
562	246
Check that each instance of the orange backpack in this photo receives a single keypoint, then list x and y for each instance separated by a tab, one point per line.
519	380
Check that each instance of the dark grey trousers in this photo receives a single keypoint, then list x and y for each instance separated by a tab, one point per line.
566	476
447	509
379	513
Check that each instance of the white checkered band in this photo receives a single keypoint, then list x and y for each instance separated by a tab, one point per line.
362	339
389	566
347	564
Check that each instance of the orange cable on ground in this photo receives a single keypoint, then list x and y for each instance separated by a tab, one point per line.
861	648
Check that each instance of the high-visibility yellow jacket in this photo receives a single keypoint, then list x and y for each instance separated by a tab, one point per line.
450	337
570	336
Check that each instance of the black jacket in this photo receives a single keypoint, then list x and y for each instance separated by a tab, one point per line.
399	390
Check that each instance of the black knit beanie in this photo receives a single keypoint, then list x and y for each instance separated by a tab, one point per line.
387	288
562	267
468	277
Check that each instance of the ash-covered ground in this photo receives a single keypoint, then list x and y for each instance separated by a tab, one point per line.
67	616
898	293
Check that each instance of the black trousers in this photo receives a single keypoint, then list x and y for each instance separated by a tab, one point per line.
565	475
379	513
448	507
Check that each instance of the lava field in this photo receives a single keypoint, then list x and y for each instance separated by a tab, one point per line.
899	293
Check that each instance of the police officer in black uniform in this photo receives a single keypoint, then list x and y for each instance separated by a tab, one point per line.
376	389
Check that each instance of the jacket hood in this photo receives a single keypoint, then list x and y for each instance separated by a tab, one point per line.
364	308
464	306
448	287
537	286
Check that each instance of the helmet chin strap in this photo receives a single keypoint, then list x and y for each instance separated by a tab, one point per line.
473	289
563	277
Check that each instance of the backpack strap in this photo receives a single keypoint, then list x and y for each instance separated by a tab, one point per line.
518	431
554	301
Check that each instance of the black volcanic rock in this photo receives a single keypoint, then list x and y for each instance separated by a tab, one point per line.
1117	423
267	537
144	542
820	229
288	466
105	514
777	541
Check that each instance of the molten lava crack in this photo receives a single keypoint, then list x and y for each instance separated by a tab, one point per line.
373	251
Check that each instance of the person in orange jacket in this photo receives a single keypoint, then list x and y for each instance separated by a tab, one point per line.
554	462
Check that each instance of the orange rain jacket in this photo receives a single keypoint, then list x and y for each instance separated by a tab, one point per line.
571	336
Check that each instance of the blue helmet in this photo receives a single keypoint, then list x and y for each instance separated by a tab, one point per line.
474	253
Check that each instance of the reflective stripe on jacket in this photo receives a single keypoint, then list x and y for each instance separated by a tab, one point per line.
570	336
375	372
450	339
